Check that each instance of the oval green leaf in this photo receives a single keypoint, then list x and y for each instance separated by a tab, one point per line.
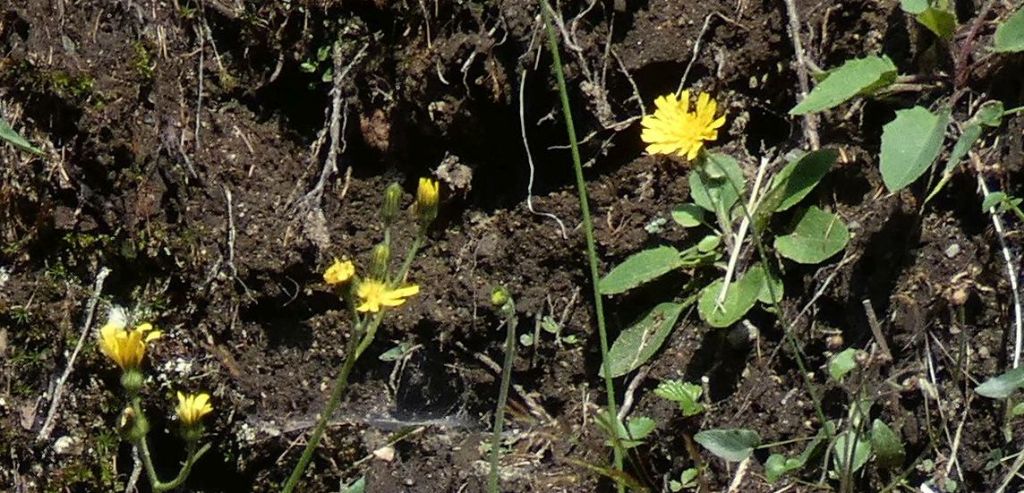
889	451
859	76
1001	386
638	343
817	236
738	301
732	445
910	144
688	215
1010	34
640	268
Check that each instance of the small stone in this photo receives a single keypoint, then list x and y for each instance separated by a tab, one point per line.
952	250
67	445
386	454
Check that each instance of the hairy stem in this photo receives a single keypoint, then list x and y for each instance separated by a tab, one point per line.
506	377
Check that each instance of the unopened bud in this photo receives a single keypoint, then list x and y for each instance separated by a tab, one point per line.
132	381
426	201
392	200
379	263
499	296
139	428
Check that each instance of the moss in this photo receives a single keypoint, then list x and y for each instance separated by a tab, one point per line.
143	60
67	85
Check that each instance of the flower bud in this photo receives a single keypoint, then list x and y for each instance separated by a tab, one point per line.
392	199
132	380
499	296
139	428
379	263
426	201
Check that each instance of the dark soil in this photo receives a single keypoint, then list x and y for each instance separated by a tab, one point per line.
182	140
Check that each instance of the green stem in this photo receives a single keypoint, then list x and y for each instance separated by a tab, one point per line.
588	230
147	458
340	384
410	255
506	377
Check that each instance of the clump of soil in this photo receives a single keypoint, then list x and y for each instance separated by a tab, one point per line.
187	151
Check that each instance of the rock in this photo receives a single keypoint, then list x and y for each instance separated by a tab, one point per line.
67	445
952	250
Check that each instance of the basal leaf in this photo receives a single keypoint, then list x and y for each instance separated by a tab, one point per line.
910	144
842	364
714	186
778	466
942	22
797	179
732	445
889	451
738	301
1010	34
859	76
771	285
817	236
850	446
640	268
1001	386
688	215
639	342
8	134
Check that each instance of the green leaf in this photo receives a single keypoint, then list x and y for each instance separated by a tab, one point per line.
939	21
914	6
638	343
799	177
1017	410
357	486
632	435
686	394
842	364
770	284
970	135
990	114
738	301
910	144
688	215
8	134
687	479
817	236
860	76
991	200
1010	34
846	448
732	445
1000	387
778	466
709	243
641	268
889	451
710	185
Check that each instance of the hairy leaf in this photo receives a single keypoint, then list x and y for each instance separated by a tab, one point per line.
640	268
638	343
817	236
859	76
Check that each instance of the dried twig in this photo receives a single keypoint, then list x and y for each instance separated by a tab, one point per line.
741	233
133	478
90	311
529	159
627	399
810	120
876	328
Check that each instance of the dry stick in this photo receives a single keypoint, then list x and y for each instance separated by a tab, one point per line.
741	473
876	328
696	51
44	432
627	399
810	120
741	233
529	158
133	478
1011	271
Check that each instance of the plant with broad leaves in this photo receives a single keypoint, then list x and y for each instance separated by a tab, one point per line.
685	394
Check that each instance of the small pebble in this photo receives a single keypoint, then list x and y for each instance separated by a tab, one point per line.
67	445
953	250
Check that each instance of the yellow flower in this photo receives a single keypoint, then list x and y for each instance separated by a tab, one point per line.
426	199
674	129
376	294
339	272
192	407
126	347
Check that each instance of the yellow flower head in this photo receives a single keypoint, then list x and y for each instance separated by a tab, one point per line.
192	407
339	272
426	199
124	346
375	294
675	129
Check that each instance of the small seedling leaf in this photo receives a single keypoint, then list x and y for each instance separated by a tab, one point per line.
910	144
357	486
889	451
858	449
8	134
738	301
842	364
732	445
709	243
638	343
770	284
1010	34
633	433
817	236
688	215
859	76
641	268
687	479
990	114
939	21
778	466
970	135
686	394
714	186
991	200
1001	386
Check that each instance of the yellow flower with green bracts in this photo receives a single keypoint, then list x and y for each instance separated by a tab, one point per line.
375	294
676	129
192	407
339	272
427	195
126	347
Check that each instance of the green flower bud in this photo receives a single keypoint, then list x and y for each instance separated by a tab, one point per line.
379	263
392	201
499	296
139	429
132	381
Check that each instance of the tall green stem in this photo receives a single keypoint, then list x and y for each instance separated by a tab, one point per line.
147	458
506	376
588	230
